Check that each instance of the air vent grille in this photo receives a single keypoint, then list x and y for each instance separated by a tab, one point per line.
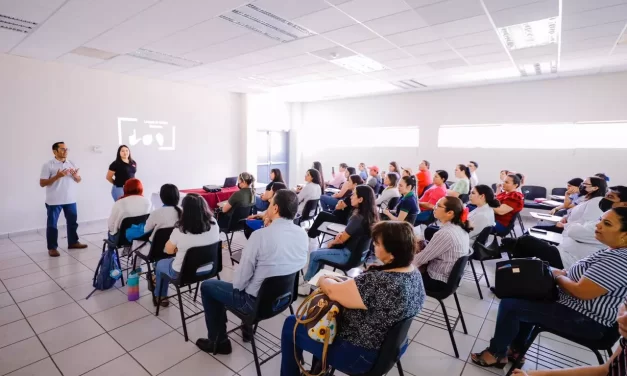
409	84
16	24
164	58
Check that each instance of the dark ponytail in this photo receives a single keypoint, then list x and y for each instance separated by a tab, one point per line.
484	190
455	205
397	238
466	171
170	196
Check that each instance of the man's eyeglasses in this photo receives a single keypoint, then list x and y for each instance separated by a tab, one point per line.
62	150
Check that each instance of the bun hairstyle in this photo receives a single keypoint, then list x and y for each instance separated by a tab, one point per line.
486	191
622	213
442	174
250	180
515	179
397	238
455	205
410	181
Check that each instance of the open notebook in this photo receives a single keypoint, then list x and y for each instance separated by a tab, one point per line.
336	227
314	280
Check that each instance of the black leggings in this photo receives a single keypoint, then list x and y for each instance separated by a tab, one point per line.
551	228
320	219
529	246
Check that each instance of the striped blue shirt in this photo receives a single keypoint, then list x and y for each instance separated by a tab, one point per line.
608	269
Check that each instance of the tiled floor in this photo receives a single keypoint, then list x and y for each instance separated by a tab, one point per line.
48	328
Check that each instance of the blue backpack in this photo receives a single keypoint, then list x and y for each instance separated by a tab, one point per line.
108	270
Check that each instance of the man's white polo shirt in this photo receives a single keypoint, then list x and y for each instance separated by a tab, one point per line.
62	191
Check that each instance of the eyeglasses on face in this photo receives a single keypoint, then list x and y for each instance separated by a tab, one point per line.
63	150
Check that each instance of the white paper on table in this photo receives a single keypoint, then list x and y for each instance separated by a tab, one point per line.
323	272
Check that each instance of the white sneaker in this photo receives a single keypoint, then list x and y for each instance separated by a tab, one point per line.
304	289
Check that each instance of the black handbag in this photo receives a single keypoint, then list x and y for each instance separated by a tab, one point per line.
525	278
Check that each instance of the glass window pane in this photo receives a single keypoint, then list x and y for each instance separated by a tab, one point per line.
263	174
283	168
278	147
262	147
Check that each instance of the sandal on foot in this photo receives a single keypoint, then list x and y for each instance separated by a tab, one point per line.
477	359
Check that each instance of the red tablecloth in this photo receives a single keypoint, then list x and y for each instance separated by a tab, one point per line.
213	198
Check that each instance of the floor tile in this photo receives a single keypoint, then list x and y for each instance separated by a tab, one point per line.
7	256
43	255
202	361
471	305
27	238
66	270
5	299
272	367
81	291
422	360
151	356
42	368
140	332
15	262
2	288
68	335
9	247
440	340
26	280
75	279
45	303
487	330
120	315
21	354
84	255
88	355
34	291
125	364
56	262
238	359
100	302
9	314
15	332
19	271
56	317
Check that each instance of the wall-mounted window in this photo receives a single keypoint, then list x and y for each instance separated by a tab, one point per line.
272	152
580	135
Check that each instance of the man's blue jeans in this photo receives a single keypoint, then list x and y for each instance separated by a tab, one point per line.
52	233
216	295
339	256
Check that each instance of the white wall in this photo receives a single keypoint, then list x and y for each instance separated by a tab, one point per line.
46	102
592	98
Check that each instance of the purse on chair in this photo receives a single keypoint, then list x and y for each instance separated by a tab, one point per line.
525	278
319	315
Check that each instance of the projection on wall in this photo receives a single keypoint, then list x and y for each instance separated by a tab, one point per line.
149	133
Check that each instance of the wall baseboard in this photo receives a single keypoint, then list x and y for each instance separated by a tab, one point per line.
42	230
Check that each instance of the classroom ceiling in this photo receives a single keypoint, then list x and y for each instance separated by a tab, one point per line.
320	49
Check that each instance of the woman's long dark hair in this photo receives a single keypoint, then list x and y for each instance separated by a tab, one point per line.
277	186
278	176
601	184
455	205
486	191
395	165
393	177
119	159
367	209
318	166
196	218
356	180
316	178
397	238
621	211
170	196
466	171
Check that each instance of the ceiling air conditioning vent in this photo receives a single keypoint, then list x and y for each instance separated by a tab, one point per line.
16	24
409	84
159	57
263	22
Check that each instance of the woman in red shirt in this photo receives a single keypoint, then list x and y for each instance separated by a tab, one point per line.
512	202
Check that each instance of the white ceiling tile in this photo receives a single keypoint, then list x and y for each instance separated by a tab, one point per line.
526	13
463	27
202	35
372	45
123	63
421	3
576	6
427	48
410	37
439	56
292	62
338	2
9	39
30	10
450	10
496	5
386	55
397	23
325	20
155	70
194	73
474	39
402	63
366	10
589	53
241	61
76	23
605	30
161	20
595	17
481	49
488	58
351	34
536	54
341	72
322	67
240	45
601	42
83	61
293	8
298	47
446	64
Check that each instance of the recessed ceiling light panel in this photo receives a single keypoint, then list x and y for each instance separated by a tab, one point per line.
359	64
164	58
527	70
531	34
16	24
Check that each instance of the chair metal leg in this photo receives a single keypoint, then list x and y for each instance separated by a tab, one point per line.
461	315
609	353
255	356
196	293
332	372
450	330
228	242
400	368
157	290
474	273
178	293
521	356
120	263
485	275
291	309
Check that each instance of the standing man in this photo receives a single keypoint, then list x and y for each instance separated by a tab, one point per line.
423	176
60	177
474	179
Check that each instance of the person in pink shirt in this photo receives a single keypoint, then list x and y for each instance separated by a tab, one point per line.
430	198
338	177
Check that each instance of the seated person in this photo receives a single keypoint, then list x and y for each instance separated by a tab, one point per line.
571	198
363	171
502	176
374	181
262	202
393	167
312	190
339	249
615	366
277	250
373	302
587	210
603	176
512	202
407	172
462	185
196	228
132	204
423	177
483	198
590	293
256	221
390	191
407	206
163	217
430	198
474	178
328	201
244	197
338	177
448	244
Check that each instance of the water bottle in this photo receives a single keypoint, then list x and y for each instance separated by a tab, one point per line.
132	284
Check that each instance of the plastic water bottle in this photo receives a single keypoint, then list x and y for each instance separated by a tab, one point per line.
132	284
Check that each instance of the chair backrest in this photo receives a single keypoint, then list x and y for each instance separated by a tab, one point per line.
426	188
448	184
411	218
457	273
157	246
125	225
198	257
379	188
310	210
533	191
392	202
391	348
558	191
464	198
239	213
494	187
359	254
275	295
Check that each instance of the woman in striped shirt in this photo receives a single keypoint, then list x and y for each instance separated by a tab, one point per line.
590	293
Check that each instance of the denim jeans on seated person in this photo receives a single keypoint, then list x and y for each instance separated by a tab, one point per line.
339	256
216	295
342	355
164	274
328	203
499	228
261	205
424	217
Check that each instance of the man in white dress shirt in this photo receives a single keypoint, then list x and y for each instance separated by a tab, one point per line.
474	179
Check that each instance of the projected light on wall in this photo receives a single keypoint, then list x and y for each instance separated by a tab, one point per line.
150	133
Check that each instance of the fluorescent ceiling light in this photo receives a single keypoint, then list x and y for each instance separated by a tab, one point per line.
164	58
538	68
531	34
359	64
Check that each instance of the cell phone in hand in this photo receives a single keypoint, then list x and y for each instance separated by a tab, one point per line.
333	170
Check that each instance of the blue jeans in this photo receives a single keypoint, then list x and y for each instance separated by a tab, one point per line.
339	256
164	273
342	355
52	233
117	192
328	203
424	217
216	295
499	228
516	318
261	205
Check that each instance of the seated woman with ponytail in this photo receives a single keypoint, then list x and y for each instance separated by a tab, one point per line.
407	206
244	197
448	244
373	302
483	198
462	186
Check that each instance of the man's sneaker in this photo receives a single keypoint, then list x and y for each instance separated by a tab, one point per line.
77	246
53	253
210	347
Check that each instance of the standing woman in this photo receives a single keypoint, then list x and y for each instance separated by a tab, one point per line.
122	169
